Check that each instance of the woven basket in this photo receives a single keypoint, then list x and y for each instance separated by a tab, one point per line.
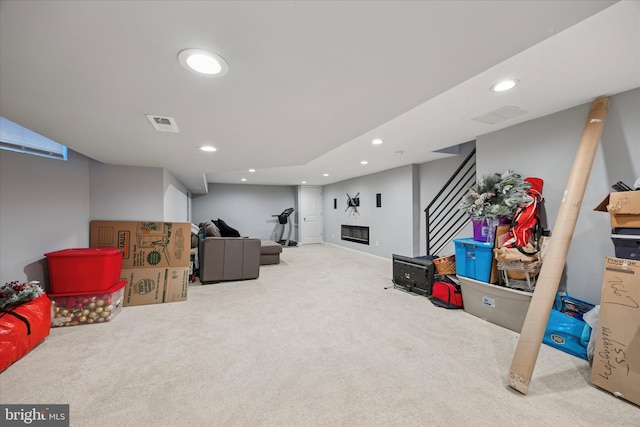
520	270
445	264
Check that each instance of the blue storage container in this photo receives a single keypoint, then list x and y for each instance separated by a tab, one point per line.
567	334
473	259
566	330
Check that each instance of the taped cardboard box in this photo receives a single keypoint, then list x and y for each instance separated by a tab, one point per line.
616	360
145	244
155	285
623	208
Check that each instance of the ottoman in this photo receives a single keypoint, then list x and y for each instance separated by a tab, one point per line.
270	252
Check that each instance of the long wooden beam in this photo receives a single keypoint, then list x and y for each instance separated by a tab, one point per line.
535	323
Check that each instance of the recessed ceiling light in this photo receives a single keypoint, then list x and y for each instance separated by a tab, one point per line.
504	85
243	179
376	141
252	170
203	62
364	162
208	148
325	174
304	182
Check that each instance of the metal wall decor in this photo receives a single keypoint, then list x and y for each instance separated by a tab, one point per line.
352	204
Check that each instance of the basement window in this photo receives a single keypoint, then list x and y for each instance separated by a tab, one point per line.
14	137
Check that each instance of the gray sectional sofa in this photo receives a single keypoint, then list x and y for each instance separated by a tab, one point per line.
235	258
229	258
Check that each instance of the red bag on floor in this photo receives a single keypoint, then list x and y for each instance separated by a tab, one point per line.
22	328
447	295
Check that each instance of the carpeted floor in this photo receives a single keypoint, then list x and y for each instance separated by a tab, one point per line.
315	341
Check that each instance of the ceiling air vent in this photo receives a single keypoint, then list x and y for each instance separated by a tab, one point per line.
163	124
500	115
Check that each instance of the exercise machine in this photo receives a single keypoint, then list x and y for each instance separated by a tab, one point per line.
283	219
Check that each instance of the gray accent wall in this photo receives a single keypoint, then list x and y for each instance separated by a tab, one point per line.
132	193
392	227
247	208
546	148
47	205
433	175
45	208
126	193
175	199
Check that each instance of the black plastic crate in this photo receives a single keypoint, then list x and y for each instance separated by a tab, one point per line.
626	242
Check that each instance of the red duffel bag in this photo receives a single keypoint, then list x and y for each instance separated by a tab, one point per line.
22	328
447	295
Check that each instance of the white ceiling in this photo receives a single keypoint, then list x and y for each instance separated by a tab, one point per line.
310	83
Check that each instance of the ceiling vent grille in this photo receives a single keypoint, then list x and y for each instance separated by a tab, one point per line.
500	115
163	124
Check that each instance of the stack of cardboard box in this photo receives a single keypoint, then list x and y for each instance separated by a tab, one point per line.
616	361
155	260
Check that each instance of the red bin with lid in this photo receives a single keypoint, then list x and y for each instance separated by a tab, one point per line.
84	269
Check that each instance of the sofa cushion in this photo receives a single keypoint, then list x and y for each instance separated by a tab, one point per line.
211	230
270	252
270	247
225	229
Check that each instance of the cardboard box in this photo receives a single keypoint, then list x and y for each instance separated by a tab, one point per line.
616	361
501	236
177	284
145	244
155	285
623	208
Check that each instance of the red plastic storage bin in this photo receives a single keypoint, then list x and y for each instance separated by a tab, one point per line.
84	269
85	308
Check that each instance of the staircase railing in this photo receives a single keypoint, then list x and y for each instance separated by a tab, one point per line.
443	218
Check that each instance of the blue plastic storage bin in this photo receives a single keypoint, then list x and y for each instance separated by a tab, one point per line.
566	330
473	259
567	334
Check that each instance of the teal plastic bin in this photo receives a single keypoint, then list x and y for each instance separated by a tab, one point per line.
566	330
473	259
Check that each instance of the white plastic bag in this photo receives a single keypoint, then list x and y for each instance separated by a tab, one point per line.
591	318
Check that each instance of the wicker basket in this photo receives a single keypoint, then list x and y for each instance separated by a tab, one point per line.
520	270
445	264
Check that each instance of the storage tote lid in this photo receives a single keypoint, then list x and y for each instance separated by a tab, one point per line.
115	288
75	252
625	233
468	241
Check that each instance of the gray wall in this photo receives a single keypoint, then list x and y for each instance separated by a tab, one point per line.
175	200
47	205
122	193
546	148
391	227
247	208
433	175
45	208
